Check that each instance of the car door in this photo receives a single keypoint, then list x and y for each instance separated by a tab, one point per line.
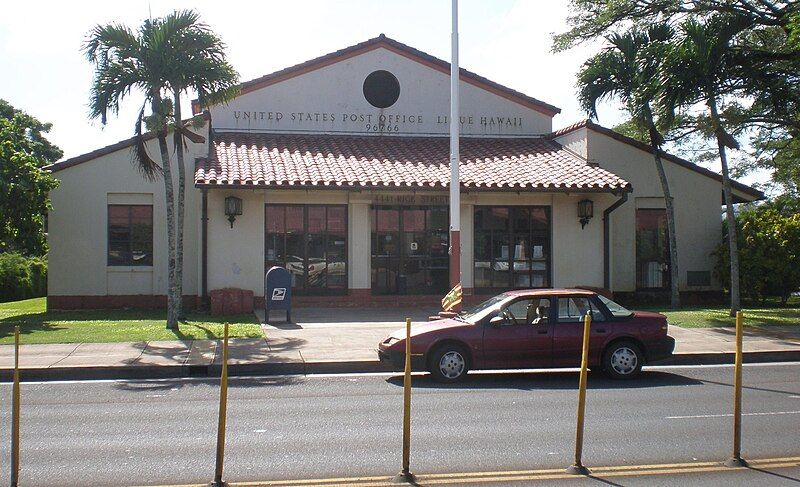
518	342
568	330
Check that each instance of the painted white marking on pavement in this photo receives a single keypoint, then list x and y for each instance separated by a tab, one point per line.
718	366
771	413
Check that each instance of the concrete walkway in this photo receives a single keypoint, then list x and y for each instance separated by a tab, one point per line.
317	342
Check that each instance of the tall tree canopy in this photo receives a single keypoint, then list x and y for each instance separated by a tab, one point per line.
739	59
766	47
24	186
163	60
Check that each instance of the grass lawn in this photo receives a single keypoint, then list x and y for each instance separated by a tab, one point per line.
39	326
704	317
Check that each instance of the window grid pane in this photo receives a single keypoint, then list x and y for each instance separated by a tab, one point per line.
130	235
512	247
310	241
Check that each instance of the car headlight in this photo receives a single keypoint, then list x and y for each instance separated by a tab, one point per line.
391	341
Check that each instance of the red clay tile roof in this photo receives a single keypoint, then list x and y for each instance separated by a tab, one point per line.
338	161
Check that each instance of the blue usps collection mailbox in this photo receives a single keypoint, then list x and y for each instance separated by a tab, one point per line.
278	292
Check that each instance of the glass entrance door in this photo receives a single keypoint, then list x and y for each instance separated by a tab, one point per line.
409	250
310	241
652	250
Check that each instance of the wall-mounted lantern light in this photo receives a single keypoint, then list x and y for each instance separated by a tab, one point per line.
585	211
233	208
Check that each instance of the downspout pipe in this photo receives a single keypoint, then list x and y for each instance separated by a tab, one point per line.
204	303
607	237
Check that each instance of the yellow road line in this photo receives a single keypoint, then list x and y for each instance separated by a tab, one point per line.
520	475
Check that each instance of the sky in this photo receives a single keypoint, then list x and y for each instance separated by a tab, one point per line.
43	70
506	41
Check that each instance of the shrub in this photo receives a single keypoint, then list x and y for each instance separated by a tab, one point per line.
769	252
22	277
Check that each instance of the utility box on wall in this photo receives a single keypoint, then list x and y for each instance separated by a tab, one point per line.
278	292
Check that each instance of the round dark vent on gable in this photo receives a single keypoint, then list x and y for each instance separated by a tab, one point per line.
381	89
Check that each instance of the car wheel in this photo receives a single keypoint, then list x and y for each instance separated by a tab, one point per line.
449	363
623	360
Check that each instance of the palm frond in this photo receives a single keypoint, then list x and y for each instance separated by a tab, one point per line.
141	158
185	132
108	41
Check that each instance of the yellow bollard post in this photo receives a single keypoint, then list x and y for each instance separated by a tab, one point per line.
577	468
223	410
15	414
736	460
405	475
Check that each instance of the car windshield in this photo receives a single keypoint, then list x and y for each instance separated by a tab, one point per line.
616	309
476	313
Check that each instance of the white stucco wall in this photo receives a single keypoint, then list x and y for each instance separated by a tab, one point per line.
334	93
576	253
236	256
576	141
698	222
78	227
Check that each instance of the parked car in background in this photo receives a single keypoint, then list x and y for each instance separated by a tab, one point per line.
531	329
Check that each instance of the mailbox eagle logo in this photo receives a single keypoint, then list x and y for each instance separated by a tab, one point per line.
278	293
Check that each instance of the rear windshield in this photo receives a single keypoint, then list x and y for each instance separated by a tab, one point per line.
616	309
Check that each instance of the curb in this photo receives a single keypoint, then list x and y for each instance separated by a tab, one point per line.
142	372
308	368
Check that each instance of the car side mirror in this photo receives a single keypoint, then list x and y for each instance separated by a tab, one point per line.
497	321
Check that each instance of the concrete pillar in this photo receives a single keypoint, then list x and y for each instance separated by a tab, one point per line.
359	246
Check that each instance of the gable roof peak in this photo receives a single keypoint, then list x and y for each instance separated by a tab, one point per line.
383	41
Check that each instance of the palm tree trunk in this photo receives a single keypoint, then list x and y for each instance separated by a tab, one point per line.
656	139
731	219
674	275
172	315
180	206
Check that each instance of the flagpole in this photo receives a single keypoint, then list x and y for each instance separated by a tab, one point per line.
455	196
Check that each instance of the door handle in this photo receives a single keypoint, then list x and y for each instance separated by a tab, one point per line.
601	330
542	332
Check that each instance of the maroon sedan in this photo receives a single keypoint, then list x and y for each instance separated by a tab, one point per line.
531	329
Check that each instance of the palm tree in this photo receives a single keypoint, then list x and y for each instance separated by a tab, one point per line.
628	70
164	59
700	69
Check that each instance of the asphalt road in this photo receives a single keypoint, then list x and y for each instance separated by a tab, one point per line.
164	432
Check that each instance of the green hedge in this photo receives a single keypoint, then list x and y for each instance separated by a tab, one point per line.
22	277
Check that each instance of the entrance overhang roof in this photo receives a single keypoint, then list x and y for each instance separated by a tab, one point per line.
303	161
